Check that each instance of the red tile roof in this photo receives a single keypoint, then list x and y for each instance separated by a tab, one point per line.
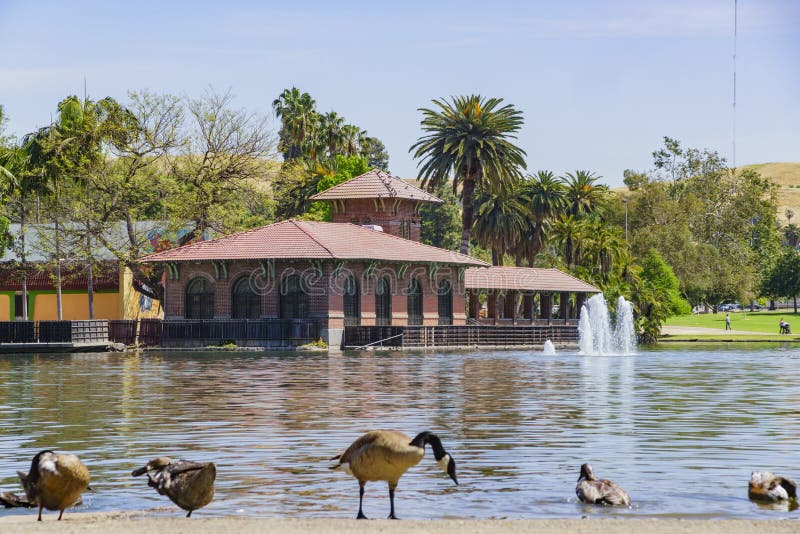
525	278
294	239
42	276
376	184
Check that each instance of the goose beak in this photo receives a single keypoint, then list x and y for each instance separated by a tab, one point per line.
451	470
139	472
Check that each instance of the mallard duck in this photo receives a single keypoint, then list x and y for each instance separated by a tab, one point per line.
593	491
766	486
54	481
386	455
188	484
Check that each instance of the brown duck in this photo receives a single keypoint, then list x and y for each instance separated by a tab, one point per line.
766	486
593	491
386	455
188	484
54	481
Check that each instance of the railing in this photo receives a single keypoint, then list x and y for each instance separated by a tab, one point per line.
470	335
122	331
54	331
243	332
360	336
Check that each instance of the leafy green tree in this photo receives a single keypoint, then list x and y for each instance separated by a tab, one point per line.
441	223
469	138
783	279
658	274
347	168
374	150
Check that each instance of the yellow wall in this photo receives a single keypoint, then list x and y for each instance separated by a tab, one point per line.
75	306
5	308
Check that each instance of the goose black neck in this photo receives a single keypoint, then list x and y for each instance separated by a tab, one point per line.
429	437
33	474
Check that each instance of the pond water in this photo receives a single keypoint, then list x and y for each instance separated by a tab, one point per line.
679	428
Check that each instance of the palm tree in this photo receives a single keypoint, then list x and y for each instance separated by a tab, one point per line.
331	129
500	223
584	196
604	248
351	139
545	197
468	137
297	113
567	233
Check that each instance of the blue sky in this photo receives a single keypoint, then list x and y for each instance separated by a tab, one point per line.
600	83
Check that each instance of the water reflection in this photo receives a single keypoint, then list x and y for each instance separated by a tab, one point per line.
669	426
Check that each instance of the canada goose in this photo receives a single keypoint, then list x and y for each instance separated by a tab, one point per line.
55	481
593	491
188	484
766	486
386	455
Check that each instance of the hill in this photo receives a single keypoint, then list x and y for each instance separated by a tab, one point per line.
787	177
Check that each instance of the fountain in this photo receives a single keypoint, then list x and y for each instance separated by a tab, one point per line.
596	334
548	348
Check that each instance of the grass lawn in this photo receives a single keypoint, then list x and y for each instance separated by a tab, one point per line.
761	321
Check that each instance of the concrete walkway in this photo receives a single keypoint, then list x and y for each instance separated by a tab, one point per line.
702	330
121	523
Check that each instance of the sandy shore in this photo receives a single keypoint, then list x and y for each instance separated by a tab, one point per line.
130	523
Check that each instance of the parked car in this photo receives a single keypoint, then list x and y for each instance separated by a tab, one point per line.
729	306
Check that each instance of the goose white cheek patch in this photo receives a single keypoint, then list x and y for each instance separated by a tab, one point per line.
444	462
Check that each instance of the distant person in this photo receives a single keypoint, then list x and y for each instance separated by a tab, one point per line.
727	321
784	327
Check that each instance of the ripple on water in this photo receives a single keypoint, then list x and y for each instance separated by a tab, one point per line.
680	430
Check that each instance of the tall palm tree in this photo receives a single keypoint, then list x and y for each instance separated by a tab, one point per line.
604	248
351	139
500	223
567	232
469	137
584	195
297	112
331	129
545	197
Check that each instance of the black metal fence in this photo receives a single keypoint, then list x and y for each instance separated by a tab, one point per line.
54	331
242	332
458	336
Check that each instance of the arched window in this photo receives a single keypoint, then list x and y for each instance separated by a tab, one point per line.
445	291
245	303
383	302
294	301
352	302
199	299
414	302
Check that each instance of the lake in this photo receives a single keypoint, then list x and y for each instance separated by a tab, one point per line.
680	428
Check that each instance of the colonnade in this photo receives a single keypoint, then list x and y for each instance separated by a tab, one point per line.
515	306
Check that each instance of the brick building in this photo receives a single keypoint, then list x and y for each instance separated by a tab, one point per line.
364	269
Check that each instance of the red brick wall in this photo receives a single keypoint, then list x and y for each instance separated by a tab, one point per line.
387	215
325	292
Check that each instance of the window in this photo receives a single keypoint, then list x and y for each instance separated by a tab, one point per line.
352	302
294	301
199	299
414	302
383	302
445	291
245	303
18	311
